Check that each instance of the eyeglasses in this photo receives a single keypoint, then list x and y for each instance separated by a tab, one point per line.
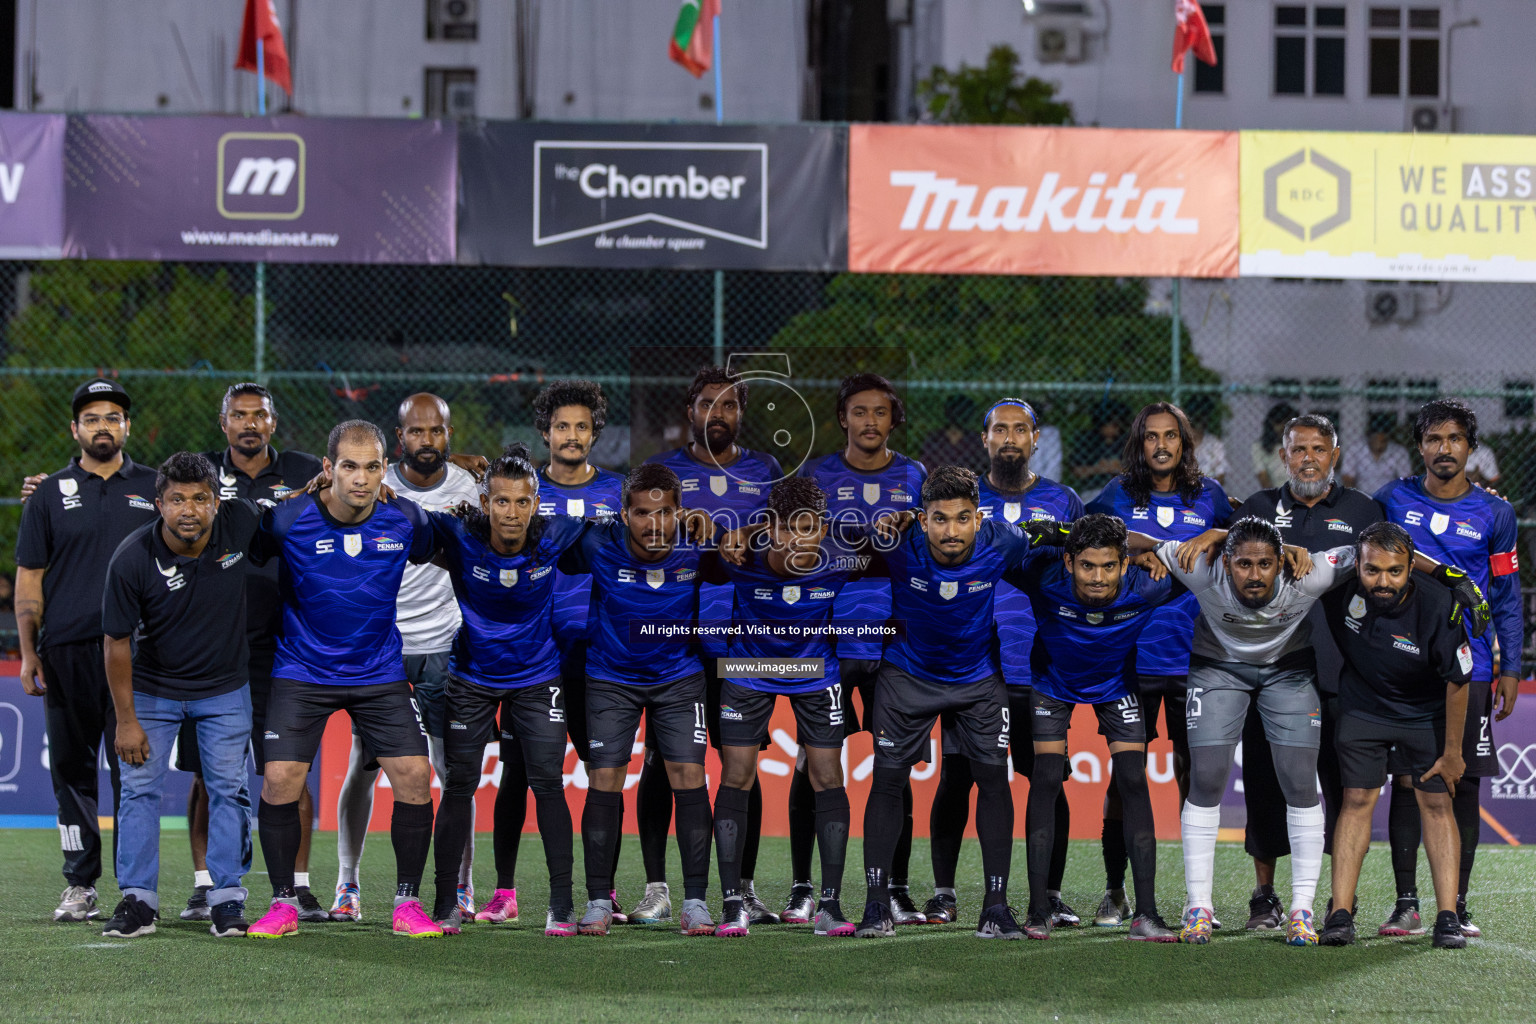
113	419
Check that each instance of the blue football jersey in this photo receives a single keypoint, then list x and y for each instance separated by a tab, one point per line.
1478	534
854	499
602	499
1043	500
339	584
507	639
1165	643
633	602
1085	654
733	495
945	611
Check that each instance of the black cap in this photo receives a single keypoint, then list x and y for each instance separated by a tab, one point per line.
99	390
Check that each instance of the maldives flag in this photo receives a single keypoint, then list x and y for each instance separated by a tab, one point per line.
693	38
1191	33
261	23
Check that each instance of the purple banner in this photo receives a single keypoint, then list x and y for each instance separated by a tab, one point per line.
31	186
282	189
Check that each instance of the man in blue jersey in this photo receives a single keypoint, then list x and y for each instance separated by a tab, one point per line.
569	415
943	578
1456	522
862	481
641	658
1090	609
501	560
344	553
1013	493
730	483
1160	492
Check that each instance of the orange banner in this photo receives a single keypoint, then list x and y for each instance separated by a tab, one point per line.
1000	200
1085	790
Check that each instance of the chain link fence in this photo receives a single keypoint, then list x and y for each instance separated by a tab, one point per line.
351	341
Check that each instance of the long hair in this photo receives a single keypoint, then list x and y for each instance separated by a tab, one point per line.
1137	475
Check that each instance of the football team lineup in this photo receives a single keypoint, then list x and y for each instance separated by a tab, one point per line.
1350	641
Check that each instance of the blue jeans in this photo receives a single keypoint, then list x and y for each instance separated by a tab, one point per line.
223	726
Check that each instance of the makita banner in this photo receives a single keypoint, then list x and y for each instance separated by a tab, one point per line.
31	186
676	196
1092	201
282	189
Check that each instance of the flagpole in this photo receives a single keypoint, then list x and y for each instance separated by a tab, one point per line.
260	358
719	359
1175	355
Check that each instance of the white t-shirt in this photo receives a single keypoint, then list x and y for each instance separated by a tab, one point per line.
1211	453
1482	461
1229	630
1372	474
426	611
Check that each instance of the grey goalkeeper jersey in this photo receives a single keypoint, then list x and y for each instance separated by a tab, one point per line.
1228	630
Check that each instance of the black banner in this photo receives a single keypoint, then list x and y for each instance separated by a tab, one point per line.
688	197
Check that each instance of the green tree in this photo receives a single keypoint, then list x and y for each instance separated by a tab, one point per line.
995	93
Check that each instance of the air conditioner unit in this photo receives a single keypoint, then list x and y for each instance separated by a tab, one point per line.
453	19
1391	305
1429	117
1058	41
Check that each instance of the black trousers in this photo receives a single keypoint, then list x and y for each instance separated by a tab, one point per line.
79	717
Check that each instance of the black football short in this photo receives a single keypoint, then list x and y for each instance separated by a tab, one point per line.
1477	747
1120	721
1020	740
745	714
1368	749
858	676
905	709
533	715
674	712
384	714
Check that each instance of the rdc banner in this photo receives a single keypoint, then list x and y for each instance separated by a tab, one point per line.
637	196
31	186
281	189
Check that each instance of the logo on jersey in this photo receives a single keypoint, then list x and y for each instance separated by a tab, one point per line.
1064	612
1165	517
972	586
821	594
230	559
654	578
281	491
791	595
762	594
1357	607
1012	511
948	589
575	506
919	585
481	573
174	579
541	572
1464	657
871	493
1438	522
352	544
729	713
1094	618
1466	529
508	577
1338	524
717	485
383	542
1404	644
135	501
324	546
69	488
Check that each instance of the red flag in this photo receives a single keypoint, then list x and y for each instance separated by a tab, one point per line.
261	23
693	37
1191	33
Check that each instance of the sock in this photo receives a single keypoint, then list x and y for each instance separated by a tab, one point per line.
554	816
653	808
279	824
1040	827
1403	836
601	820
947	818
695	828
753	835
802	825
1198	826
901	857
1130	774
1465	804
410	833
455	820
832	823
354	810
1304	825
507	835
202	878
882	830
301	879
1112	842
994	827
731	818
1063	836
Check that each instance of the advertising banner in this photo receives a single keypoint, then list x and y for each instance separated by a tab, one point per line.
31	186
281	189
1002	200
641	196
1389	206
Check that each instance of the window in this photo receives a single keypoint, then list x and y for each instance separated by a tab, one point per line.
1309	50
1209	79
1404	51
450	92
456	20
1519	399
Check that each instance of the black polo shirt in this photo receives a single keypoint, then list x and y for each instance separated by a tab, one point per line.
71	525
1396	663
189	613
1333	522
285	471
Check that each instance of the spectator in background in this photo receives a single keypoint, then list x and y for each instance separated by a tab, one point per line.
1047	457
1098	454
1210	449
1268	465
958	443
1482	467
7	594
1383	459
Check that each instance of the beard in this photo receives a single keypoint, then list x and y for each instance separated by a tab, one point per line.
1010	471
1309	489
568	456
103	449
1247	599
425	460
716	436
1383	601
249	444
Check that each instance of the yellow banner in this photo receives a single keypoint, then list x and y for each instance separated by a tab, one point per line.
1390	207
